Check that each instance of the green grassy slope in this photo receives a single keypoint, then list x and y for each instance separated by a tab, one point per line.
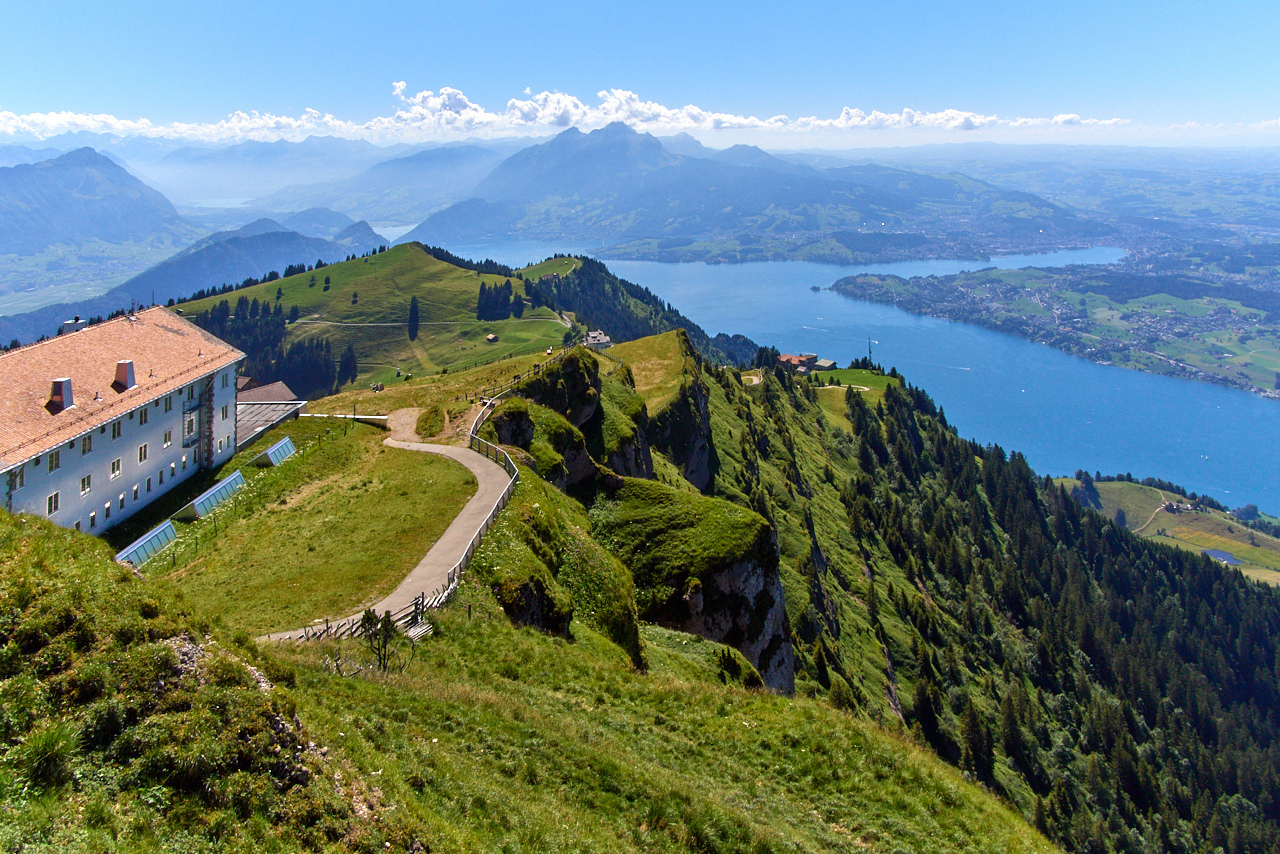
375	323
1188	530
944	584
493	738
658	363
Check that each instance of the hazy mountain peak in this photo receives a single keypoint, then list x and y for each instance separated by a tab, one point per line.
686	144
316	222
81	195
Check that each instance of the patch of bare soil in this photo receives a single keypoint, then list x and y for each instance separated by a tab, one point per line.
403	424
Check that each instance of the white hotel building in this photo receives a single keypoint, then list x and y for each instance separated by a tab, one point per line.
97	423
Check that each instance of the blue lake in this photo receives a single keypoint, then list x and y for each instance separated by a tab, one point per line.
1063	412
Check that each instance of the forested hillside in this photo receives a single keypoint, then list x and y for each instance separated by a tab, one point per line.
1122	693
597	295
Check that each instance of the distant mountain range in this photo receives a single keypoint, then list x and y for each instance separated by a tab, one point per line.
253	169
402	189
12	155
225	257
78	196
615	185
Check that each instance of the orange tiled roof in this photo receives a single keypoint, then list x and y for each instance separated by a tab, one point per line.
168	352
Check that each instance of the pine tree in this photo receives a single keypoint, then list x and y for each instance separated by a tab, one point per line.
413	319
347	367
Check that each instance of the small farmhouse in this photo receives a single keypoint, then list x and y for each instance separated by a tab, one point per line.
597	340
98	422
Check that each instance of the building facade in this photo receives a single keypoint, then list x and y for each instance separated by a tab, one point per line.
97	423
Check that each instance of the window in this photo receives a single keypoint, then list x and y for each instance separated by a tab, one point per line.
225	380
77	524
220	446
86	484
173	469
135	492
117	427
55	460
86	444
184	462
20	477
52	504
142	452
142	416
93	519
168	403
191	392
191	426
168	438
224	412
148	484
162	477
115	468
122	501
106	510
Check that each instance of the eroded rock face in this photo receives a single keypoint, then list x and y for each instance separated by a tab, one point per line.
633	458
570	387
514	427
578	465
683	432
742	606
533	604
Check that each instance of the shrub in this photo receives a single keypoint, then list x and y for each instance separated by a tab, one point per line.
44	756
430	422
841	695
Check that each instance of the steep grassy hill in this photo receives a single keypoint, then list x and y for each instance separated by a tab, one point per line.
943	584
680	538
136	720
1102	684
365	303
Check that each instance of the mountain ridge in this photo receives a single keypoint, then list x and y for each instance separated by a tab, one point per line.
78	196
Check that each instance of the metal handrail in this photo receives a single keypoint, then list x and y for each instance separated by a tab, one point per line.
412	617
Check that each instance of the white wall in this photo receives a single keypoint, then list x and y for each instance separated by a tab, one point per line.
173	463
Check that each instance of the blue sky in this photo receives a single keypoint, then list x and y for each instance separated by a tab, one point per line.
1128	72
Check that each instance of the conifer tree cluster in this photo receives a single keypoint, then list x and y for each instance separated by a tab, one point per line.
499	302
258	329
1126	692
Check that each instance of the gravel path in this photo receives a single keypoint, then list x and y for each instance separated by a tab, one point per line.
432	571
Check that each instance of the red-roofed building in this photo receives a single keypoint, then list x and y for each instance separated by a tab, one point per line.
97	423
802	363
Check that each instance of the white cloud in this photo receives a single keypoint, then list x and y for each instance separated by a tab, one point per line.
449	114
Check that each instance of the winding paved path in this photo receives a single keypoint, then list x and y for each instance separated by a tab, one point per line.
432	572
